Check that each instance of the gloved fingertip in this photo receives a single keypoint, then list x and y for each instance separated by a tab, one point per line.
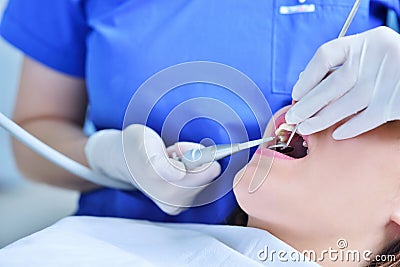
169	209
341	134
297	92
175	150
295	96
305	128
291	117
183	147
215	169
337	137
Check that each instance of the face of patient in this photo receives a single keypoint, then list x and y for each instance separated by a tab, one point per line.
341	189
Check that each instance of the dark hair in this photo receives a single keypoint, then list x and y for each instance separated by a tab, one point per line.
392	250
238	217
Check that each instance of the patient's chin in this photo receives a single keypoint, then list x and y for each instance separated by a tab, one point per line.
241	185
246	180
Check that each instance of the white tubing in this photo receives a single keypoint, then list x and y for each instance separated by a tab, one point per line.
59	159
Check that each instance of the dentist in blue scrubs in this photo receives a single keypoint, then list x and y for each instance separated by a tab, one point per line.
85	59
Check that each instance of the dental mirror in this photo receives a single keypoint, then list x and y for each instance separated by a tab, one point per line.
282	148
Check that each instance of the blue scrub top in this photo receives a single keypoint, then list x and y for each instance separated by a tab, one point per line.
116	45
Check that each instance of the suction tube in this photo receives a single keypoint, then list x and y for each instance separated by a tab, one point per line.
59	159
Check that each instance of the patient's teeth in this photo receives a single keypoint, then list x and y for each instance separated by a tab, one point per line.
283	138
284	127
305	144
283	132
307	151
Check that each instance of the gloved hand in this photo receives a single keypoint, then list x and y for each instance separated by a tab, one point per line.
147	164
366	83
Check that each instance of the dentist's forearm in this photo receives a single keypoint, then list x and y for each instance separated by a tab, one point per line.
61	135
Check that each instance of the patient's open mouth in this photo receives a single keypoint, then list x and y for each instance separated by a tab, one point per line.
298	146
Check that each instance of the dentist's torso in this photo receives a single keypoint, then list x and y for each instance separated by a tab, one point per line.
271	42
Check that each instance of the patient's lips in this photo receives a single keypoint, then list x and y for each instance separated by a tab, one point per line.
299	143
263	151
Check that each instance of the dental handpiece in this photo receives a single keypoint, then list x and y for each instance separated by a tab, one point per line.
192	158
197	157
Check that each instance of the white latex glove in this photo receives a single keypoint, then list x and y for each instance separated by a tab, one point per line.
163	179
366	84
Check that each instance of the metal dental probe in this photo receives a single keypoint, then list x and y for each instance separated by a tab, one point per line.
290	137
349	18
342	33
197	157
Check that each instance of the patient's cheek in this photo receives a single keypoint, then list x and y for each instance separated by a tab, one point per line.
239	186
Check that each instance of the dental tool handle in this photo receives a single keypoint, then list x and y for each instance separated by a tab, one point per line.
197	157
58	158
291	136
350	18
343	32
